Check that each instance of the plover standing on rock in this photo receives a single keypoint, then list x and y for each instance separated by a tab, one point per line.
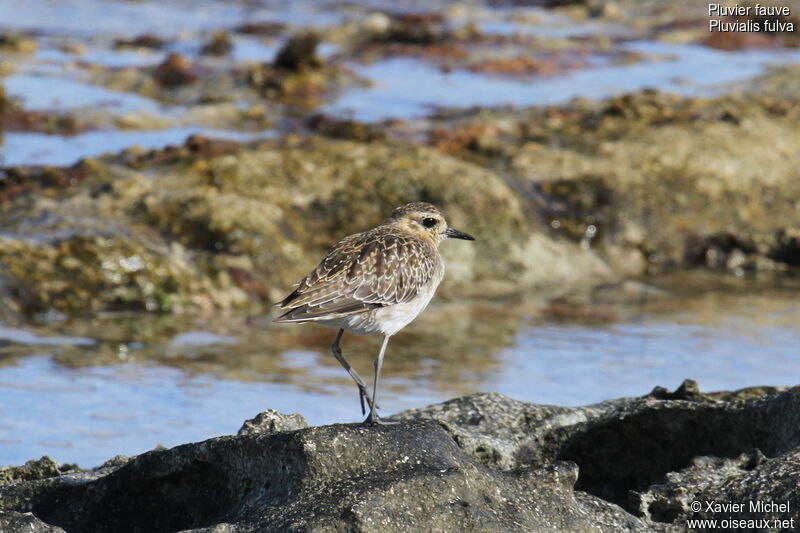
375	282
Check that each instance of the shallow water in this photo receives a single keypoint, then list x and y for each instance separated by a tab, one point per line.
44	149
411	88
402	87
37	92
85	391
93	17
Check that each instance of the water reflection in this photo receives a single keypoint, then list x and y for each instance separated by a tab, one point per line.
44	149
36	92
410	88
85	390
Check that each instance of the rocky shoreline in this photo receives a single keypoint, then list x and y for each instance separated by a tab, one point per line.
236	163
576	195
478	463
581	193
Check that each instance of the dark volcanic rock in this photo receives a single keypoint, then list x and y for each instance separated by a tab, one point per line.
299	52
175	71
651	455
220	44
479	463
271	421
407	477
13	521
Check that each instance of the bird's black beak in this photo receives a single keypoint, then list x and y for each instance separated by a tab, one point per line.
455	234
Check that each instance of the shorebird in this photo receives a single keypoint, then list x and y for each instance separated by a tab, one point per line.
375	282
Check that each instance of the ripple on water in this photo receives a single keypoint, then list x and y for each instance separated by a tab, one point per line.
42	149
201	338
93	17
103	17
412	88
97	412
23	336
124	407
38	93
577	365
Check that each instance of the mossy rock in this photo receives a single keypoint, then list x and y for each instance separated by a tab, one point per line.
583	209
17	44
91	273
285	207
239	229
659	172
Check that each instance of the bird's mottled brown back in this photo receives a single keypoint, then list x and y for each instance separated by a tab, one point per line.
377	268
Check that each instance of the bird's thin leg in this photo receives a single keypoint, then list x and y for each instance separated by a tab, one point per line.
363	395
373	417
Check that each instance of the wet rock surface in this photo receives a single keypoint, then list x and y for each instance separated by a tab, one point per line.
234	230
13	521
562	197
622	175
477	463
580	193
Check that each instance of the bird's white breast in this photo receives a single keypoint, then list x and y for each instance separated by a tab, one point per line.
391	319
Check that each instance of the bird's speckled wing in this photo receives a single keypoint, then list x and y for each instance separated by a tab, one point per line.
362	272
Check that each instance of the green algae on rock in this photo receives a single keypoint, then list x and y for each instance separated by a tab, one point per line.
146	40
235	229
33	470
661	175
13	117
561	195
298	75
284	207
82	273
342	128
17	44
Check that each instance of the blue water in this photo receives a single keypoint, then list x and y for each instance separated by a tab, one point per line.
41	92
44	149
91	414
412	88
579	365
91	18
63	395
86	414
402	87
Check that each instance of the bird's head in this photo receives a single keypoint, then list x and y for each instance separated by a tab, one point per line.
426	221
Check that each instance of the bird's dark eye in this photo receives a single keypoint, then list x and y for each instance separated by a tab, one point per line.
429	222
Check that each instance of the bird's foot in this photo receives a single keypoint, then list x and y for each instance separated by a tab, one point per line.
374	420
